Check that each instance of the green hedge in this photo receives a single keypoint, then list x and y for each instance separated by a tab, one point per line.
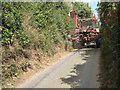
108	13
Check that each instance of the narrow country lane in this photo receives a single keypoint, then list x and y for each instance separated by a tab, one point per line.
79	69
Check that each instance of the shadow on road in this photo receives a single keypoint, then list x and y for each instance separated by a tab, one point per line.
74	77
73	80
87	46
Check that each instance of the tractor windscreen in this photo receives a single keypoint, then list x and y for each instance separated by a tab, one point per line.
83	24
91	23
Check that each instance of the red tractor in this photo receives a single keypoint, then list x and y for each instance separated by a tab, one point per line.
85	31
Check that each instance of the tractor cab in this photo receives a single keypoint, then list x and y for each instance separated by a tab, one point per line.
86	25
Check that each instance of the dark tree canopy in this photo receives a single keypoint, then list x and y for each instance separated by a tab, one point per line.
83	9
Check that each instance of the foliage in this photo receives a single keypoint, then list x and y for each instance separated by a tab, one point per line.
51	20
108	13
12	24
83	9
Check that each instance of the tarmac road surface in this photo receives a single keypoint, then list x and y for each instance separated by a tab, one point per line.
78	69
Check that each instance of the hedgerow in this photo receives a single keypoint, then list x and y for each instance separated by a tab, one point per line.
108	13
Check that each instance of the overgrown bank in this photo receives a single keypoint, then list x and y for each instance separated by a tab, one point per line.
31	31
109	13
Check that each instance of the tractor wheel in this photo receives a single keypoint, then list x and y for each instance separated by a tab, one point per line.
83	42
76	44
80	45
97	43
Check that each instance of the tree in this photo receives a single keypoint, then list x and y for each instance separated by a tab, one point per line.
82	9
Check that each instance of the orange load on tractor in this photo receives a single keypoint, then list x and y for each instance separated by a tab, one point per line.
85	31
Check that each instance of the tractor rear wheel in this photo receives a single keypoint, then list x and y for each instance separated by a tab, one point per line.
76	44
97	43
